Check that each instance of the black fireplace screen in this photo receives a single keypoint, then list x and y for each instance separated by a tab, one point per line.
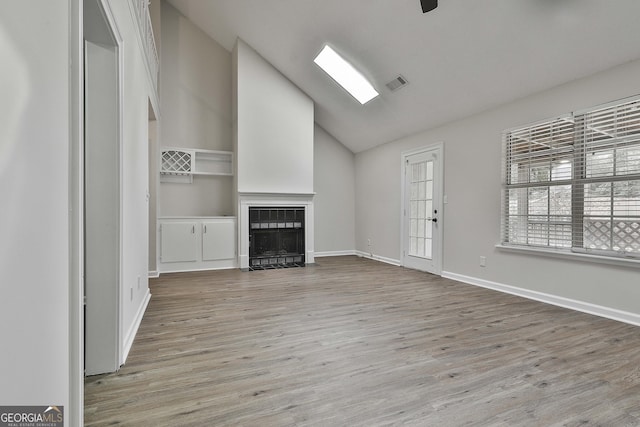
276	237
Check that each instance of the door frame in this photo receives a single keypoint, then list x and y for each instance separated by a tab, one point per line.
109	36
438	191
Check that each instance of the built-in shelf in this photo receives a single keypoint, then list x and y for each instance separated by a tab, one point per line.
181	164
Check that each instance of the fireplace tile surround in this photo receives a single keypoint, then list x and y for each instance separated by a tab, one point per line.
273	200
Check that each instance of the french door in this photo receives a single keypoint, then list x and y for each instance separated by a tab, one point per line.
422	209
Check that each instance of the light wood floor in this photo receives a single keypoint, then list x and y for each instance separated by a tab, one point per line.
353	342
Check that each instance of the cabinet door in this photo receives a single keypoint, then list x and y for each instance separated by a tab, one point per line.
218	240
178	242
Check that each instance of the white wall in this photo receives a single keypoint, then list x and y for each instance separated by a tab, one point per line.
195	87
472	183
35	135
274	128
334	202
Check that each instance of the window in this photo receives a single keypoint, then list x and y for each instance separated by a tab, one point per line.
573	183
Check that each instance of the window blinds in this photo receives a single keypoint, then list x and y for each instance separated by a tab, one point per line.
573	182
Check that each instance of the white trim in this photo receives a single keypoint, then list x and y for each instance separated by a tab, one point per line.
574	256
248	199
380	258
156	160
584	307
243	260
133	330
153	274
335	253
120	123
76	216
118	41
189	270
266	196
438	193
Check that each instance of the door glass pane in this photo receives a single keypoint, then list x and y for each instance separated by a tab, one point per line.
428	230
427	248
421	211
421	208
420	247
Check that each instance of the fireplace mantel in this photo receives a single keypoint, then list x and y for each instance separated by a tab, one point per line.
247	200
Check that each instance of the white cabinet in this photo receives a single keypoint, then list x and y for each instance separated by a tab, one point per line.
218	240
197	243
178	242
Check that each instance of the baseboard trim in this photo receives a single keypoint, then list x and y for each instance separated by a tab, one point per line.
154	274
374	257
335	253
191	270
584	307
133	330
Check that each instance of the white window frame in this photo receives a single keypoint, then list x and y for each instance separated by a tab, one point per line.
523	157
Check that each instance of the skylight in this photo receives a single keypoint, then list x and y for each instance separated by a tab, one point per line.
345	75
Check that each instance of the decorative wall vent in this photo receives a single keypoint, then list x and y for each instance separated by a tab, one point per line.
397	83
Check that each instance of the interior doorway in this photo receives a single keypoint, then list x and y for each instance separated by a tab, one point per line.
422	209
102	193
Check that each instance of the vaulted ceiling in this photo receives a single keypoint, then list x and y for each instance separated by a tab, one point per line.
464	57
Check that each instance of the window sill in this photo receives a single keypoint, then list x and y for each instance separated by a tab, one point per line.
574	256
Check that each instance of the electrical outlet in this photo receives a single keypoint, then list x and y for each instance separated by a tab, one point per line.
483	261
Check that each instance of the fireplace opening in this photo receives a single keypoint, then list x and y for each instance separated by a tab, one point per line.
276	237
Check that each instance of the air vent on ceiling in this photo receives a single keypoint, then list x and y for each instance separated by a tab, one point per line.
397	83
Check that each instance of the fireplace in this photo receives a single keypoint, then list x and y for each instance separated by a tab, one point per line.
275	230
276	237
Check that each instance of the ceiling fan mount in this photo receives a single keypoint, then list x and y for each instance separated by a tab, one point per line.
428	5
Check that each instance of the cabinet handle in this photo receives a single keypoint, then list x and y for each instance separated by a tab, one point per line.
205	229
193	229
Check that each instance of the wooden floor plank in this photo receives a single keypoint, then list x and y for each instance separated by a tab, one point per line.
354	342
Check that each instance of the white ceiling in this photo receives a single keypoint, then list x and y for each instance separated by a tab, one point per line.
462	58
